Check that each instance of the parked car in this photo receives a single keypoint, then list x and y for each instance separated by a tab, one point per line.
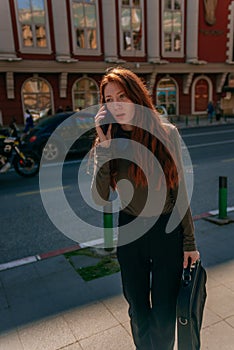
65	129
162	111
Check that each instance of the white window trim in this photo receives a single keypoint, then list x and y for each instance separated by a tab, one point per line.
174	53
193	93
89	52
34	50
230	37
39	78
177	92
74	85
133	53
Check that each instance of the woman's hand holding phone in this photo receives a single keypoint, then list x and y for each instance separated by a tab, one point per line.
104	138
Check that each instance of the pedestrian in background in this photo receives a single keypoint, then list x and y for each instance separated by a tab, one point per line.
218	111
210	111
29	123
151	263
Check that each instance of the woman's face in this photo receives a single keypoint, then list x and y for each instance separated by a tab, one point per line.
118	103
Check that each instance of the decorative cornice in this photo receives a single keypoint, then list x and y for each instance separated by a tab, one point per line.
187	80
220	80
9	58
10	85
63	85
36	66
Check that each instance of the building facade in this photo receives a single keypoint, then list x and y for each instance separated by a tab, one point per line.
53	53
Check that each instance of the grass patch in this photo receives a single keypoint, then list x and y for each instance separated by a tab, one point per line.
106	266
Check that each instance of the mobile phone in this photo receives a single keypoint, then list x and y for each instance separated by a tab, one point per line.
108	119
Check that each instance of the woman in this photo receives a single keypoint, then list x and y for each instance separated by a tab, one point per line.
151	260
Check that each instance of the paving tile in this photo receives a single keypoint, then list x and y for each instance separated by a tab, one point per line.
115	338
18	275
47	334
219	336
223	273
10	341
88	320
3	300
7	320
75	346
118	306
230	321
105	287
127	326
221	301
209	318
53	265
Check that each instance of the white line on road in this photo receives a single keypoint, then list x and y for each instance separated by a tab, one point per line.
210	144
208	133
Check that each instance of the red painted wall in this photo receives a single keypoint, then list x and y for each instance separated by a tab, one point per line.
212	39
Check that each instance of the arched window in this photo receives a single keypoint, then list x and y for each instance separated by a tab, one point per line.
85	93
202	92
166	95
37	97
201	95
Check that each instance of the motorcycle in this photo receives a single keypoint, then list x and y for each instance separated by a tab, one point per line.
25	164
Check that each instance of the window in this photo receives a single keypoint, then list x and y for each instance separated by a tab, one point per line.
201	95
131	27
202	92
37	97
85	93
85	26
32	24
173	28
166	95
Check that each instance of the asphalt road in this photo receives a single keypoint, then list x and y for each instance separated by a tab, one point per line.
26	228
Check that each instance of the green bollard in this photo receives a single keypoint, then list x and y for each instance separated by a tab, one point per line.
108	227
197	120
222	197
186	120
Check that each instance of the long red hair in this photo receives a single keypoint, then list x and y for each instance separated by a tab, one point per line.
137	92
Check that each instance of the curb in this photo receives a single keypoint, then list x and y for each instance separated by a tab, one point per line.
50	254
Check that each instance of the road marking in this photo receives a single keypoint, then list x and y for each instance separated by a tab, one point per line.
19	262
228	160
210	144
208	133
37	192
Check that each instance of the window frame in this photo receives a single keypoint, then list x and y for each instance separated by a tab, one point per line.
134	52
176	104
33	49
210	92
173	53
85	91
85	51
37	78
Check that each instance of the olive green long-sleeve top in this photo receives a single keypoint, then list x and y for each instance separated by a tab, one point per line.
145	201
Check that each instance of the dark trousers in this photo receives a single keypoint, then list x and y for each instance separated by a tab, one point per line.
151	269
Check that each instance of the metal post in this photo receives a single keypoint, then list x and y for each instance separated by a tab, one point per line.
186	120
222	197
197	120
108	227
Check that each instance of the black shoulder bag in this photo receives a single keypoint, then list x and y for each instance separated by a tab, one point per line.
190	306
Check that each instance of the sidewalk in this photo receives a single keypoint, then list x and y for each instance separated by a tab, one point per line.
193	121
47	305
